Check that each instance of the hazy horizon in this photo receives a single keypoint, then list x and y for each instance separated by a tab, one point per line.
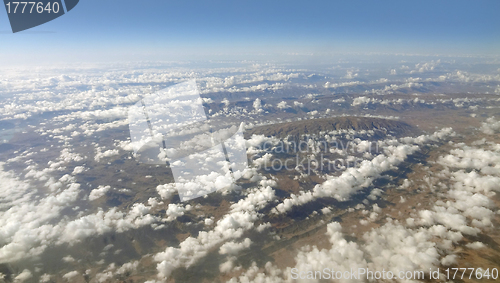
103	31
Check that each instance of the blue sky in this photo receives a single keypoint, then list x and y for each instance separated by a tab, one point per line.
99	30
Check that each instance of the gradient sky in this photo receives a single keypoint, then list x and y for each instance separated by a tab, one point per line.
97	30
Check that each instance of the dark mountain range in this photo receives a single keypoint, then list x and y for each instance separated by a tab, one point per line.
315	126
